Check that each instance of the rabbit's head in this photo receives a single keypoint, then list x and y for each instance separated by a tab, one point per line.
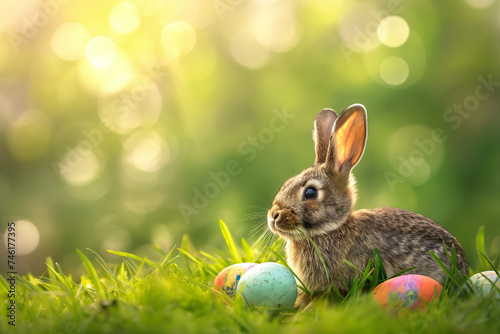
320	199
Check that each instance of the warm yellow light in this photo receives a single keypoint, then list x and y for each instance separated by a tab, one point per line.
69	40
27	237
247	51
93	78
275	28
178	38
480	3
146	154
100	51
394	71
393	31
124	18
79	165
130	101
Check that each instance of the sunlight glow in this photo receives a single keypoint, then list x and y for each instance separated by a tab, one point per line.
27	237
394	71
129	101
247	51
69	40
100	51
393	31
275	28
93	78
146	154
124	18
81	166
480	3
178	38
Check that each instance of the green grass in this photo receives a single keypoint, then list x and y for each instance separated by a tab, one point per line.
173	294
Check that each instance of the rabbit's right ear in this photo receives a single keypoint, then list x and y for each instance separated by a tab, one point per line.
323	124
348	139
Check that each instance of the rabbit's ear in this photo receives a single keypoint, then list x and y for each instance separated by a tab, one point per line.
348	138
323	124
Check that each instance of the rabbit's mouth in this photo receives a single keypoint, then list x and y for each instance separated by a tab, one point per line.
283	222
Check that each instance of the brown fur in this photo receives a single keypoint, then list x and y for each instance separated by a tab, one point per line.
403	238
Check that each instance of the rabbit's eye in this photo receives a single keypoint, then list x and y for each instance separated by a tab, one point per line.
310	193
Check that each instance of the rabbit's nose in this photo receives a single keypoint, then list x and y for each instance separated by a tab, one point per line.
276	215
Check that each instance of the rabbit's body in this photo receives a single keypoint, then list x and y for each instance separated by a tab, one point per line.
402	237
319	203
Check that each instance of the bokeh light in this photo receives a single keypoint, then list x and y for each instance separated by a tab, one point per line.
358	28
124	17
178	38
247	51
69	40
100	51
393	31
93	78
264	26
480	3
394	70
129	101
146	152
12	12
401	66
80	165
414	154
26	239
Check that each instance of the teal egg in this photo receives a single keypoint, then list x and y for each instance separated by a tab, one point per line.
269	285
484	283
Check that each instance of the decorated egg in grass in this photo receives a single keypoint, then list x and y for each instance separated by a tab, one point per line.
410	292
228	279
484	283
269	285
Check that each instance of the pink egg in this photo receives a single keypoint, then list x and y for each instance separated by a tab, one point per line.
228	279
409	292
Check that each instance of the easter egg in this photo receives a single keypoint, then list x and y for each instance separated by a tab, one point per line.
228	279
483	283
269	285
410	292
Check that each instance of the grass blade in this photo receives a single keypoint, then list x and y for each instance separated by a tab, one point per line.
249	256
481	248
354	267
94	278
4	284
135	257
446	270
230	242
487	260
319	253
164	264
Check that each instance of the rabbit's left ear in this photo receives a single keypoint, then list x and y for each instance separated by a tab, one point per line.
323	124
348	138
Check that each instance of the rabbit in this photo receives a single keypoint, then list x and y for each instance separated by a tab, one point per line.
320	200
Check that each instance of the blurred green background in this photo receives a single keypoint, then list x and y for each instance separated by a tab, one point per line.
128	124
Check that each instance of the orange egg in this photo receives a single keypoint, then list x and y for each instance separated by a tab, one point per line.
228	279
410	292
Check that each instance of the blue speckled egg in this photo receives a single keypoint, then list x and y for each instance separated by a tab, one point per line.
269	285
482	283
